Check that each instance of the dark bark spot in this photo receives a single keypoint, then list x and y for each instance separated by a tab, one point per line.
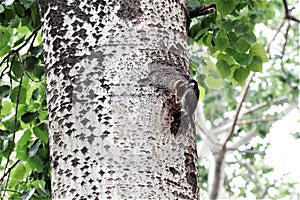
101	172
75	162
130	10
174	171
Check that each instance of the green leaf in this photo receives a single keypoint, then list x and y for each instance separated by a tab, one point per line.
250	37
29	116
17	69
242	45
225	6
202	92
25	138
36	163
241	74
22	152
24	30
27	3
20	10
35	15
241	29
38	71
14	94
213	82
223	67
222	41
43	115
7	17
33	149
260	4
33	67
243	58
226	58
256	64
6	108
1	8
36	51
5	50
35	94
4	91
231	51
10	124
232	37
18	172
207	38
41	132
258	50
4	37
227	25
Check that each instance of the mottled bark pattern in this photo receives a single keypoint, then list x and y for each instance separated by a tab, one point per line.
110	131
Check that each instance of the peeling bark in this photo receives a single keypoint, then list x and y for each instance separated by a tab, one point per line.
110	123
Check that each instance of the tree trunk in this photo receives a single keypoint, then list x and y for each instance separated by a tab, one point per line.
110	65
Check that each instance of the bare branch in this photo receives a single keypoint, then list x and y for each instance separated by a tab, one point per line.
264	104
226	126
247	151
287	13
275	35
252	121
253	172
288	17
284	47
246	139
239	107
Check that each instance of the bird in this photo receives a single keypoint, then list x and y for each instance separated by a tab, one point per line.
187	95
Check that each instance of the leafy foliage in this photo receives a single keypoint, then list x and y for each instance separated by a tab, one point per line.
24	154
231	39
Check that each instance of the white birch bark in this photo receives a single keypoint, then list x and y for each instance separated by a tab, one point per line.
112	135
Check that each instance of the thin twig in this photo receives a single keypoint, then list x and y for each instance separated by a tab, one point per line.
253	121
15	51
247	151
238	110
275	35
284	48
8	170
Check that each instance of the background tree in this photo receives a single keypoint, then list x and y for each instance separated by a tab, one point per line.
233	116
24	160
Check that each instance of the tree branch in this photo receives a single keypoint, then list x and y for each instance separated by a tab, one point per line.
226	126
275	35
264	104
239	107
252	133
287	13
284	47
8	171
252	121
247	151
254	173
